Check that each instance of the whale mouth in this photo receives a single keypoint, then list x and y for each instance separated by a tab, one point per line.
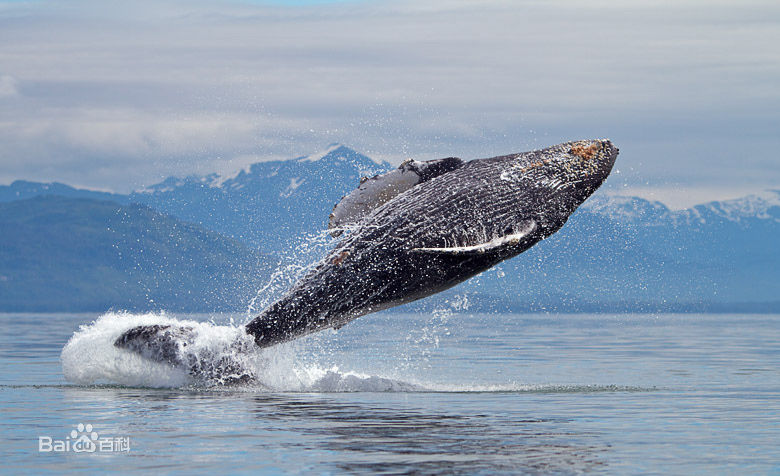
511	238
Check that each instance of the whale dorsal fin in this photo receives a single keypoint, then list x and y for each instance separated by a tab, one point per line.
487	246
380	189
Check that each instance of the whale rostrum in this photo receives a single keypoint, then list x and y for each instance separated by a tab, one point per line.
421	229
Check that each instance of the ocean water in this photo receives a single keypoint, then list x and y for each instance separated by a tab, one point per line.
392	393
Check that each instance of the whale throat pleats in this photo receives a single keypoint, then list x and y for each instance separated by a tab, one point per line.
375	191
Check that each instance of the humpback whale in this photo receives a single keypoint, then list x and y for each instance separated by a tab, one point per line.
416	231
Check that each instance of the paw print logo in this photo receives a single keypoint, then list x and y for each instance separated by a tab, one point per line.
84	438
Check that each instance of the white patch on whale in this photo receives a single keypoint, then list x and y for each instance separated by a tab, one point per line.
493	244
375	191
372	193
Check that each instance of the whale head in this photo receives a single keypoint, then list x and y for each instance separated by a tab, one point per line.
551	183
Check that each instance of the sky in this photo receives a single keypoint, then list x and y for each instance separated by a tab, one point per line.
116	95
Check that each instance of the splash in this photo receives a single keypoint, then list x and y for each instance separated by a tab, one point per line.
90	358
309	249
219	354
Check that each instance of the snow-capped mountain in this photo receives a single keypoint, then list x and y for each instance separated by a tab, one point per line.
635	253
760	206
23	189
627	209
335	157
267	204
616	252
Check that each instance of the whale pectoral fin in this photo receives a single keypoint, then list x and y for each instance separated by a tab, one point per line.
376	191
495	244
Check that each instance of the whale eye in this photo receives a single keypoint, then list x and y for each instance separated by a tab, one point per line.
509	231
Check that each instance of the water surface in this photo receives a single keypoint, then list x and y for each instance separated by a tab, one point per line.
427	394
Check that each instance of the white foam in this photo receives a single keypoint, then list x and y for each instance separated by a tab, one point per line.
90	358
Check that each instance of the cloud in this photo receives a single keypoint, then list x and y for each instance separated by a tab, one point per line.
119	95
7	86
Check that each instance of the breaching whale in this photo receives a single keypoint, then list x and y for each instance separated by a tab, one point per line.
416	231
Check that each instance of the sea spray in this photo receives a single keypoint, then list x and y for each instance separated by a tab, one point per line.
311	364
90	358
420	343
307	249
223	353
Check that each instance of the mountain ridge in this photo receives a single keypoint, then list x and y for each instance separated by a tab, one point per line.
83	254
621	207
616	252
